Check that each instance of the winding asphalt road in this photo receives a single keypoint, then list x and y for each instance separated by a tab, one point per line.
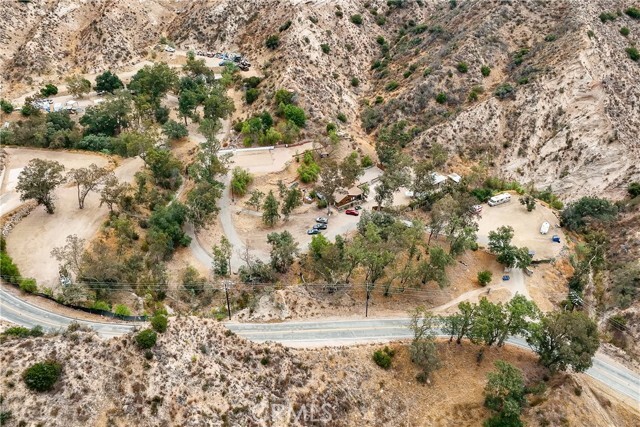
303	334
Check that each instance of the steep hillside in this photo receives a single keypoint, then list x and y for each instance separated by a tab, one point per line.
199	375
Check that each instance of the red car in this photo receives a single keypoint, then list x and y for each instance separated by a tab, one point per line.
352	212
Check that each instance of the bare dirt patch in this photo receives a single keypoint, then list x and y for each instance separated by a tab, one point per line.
526	226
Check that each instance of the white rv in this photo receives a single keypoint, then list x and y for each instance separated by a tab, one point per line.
499	199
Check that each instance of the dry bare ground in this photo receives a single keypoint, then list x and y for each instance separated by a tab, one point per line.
31	241
200	375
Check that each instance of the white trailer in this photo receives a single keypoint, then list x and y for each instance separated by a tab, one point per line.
544	229
499	199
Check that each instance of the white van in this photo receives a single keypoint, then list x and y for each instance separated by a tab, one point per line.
499	199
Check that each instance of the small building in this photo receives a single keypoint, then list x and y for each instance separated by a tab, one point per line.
343	198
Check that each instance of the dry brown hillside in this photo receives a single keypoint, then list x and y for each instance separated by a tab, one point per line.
199	375
570	122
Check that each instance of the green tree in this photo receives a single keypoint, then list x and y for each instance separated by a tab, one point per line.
504	393
87	180
529	202
240	181
423	350
251	95
222	257
292	200
42	376
187	103
154	81
255	201
565	339
309	171
108	82
434	269
350	170
165	168
458	325
38	180
284	249
146	339
108	118
506	253
174	130
78	85
270	207
202	203
295	114
484	277
113	192
48	90
577	215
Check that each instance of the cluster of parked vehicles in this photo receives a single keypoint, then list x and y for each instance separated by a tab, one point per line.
322	222
235	58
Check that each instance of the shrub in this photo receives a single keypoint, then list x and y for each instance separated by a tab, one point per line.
285	26
607	16
485	70
325	48
383	357
550	38
633	12
441	98
357	19
577	214
101	305
6	106
42	376
380	20
484	277
241	179
634	189
272	42
28	285
8	270
355	82
624	31
295	114
159	322
174	130
633	53
251	95
380	40
504	91
462	67
122	310
21	332
342	117
339	13
391	86
309	170
49	90
146	339
366	162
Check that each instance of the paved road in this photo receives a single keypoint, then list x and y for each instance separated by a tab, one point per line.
302	334
332	333
25	314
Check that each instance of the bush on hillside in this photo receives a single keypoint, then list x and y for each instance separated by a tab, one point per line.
146	339
42	376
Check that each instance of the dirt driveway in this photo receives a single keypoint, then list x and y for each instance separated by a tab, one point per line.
31	241
526	226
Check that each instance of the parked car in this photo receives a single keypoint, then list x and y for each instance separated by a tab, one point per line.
322	220
320	226
358	207
169	49
313	231
352	212
476	209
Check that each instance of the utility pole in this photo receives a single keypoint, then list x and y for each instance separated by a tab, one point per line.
366	304
227	285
